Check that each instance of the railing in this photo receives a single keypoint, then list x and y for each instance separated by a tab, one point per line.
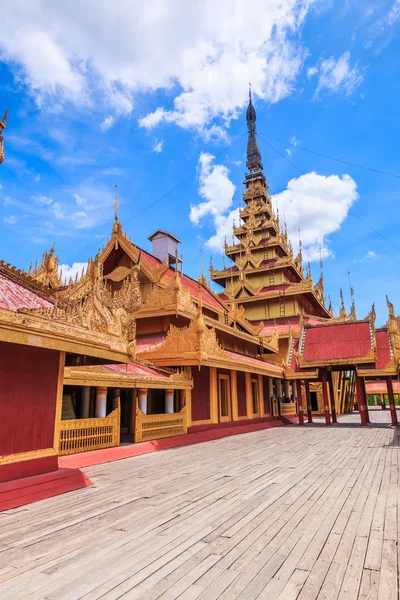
82	435
155	427
288	408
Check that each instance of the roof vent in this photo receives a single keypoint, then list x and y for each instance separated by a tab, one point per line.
164	246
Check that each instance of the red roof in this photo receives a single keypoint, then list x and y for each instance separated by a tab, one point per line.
133	368
383	353
337	341
145	342
256	362
377	387
269	291
14	296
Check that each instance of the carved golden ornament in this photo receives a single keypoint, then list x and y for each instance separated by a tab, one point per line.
47	274
273	341
394	331
371	317
118	274
195	339
102	310
173	296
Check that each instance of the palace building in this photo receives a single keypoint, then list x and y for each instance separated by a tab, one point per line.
134	350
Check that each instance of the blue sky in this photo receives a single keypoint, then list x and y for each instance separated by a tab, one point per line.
149	96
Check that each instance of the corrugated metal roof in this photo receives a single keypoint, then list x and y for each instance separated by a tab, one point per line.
14	296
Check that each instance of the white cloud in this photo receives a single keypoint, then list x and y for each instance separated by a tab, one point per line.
42	200
10	219
369	256
223	227
107	123
294	142
37	177
58	211
158	146
203	53
215	188
394	13
317	205
339	75
312	71
68	271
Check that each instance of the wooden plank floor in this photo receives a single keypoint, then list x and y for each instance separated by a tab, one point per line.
294	512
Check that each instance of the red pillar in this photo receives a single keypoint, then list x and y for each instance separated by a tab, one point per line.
366	401
361	401
332	397
392	406
325	397
308	400
300	408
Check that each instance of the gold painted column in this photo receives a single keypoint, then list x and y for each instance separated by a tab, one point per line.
188	404
169	402
101	402
249	399
85	405
142	393
213	395
234	398
261	396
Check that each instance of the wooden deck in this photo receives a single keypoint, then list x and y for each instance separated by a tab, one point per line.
295	512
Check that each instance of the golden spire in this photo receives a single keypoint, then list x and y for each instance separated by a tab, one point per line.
3	123
352	315
342	312
116	202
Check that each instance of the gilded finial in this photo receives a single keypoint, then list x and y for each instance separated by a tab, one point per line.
342	312
116	202
3	124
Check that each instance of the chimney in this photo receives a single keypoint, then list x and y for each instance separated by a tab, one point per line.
164	246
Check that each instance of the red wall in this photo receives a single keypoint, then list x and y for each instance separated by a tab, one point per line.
267	399
28	390
201	394
241	393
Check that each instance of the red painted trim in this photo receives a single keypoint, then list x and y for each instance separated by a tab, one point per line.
99	457
31	489
28	468
229	424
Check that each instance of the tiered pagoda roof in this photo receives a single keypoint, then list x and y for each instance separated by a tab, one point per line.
266	278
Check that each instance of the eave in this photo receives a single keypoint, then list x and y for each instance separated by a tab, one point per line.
96	377
247	337
33	330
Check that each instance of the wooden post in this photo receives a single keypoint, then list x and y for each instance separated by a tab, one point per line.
234	398
214	411
325	397
332	397
300	408
392	405
308	400
365	398
361	400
